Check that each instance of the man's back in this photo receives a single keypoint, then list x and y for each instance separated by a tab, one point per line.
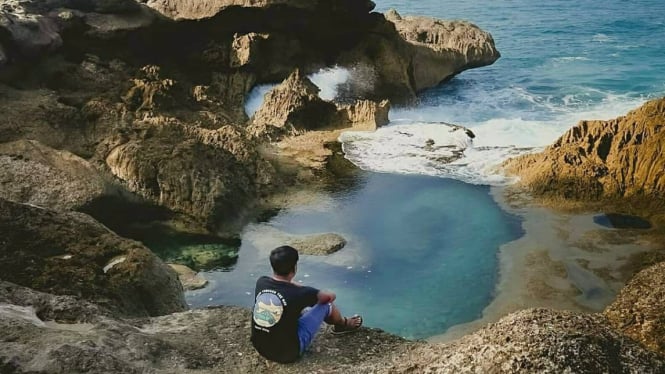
277	307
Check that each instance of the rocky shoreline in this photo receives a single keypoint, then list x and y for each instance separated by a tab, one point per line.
128	110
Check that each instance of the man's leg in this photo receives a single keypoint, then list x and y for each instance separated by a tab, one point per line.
341	323
310	322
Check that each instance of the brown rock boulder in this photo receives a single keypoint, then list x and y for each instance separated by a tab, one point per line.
72	254
366	114
317	244
441	49
33	173
639	309
210	175
601	159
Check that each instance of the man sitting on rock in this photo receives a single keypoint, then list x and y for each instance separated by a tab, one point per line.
287	316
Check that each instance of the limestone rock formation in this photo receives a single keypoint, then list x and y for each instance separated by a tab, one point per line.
601	159
193	9
366	114
409	54
537	341
441	49
69	253
317	244
639	309
294	107
33	173
208	174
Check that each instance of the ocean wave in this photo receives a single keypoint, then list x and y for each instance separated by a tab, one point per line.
401	146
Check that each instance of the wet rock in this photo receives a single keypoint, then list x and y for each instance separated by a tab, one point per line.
33	173
601	159
204	257
639	309
318	244
189	278
65	253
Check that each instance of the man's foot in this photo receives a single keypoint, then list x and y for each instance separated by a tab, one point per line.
350	325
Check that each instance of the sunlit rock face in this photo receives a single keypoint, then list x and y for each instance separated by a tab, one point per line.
601	159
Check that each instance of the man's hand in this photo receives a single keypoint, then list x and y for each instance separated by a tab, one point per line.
326	297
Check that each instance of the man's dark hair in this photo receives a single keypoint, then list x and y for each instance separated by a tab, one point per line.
283	260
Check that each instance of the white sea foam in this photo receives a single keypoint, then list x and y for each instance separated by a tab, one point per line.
328	80
400	147
255	98
601	38
570	58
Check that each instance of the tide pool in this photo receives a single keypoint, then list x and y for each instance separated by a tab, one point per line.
424	238
421	254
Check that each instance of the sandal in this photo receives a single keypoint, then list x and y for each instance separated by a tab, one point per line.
346	328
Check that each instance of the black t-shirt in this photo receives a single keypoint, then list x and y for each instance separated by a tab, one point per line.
277	307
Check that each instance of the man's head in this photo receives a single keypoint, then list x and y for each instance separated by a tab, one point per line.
283	260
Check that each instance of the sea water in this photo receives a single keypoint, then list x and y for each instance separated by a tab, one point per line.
423	237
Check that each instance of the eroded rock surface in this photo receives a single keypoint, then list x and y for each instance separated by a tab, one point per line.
33	173
639	310
537	341
442	49
208	174
70	253
317	244
601	159
217	340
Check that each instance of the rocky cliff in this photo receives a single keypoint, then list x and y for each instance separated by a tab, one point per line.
152	93
619	158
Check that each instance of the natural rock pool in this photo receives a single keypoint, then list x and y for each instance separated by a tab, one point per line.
421	253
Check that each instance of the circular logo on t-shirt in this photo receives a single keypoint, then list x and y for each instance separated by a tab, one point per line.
268	309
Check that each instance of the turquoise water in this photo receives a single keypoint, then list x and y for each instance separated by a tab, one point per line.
421	256
422	252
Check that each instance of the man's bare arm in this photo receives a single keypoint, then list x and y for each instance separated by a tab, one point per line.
326	297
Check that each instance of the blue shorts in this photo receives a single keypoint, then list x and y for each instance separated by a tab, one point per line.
309	323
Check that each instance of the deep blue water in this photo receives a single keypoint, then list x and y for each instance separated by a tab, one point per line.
422	252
